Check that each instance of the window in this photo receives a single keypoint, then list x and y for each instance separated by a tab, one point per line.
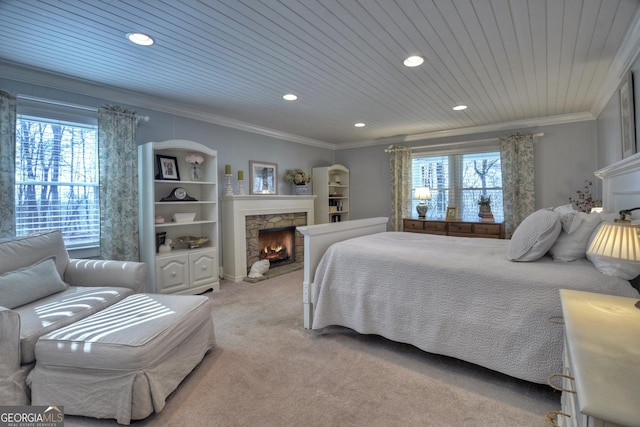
57	184
459	180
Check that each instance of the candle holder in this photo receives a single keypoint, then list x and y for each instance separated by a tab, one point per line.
241	187
228	188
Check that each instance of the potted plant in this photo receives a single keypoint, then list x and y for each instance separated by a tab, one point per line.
300	180
484	204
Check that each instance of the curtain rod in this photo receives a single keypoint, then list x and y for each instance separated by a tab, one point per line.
475	141
69	105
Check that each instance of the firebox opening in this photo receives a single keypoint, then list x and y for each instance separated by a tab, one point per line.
277	244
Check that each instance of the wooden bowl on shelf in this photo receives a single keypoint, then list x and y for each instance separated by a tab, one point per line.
193	242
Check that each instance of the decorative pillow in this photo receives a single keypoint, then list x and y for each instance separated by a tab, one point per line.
613	267
570	218
573	246
31	283
534	236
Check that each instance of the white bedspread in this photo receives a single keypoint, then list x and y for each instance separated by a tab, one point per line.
454	296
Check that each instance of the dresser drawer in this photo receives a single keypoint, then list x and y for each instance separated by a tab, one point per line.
435	227
493	229
459	227
413	225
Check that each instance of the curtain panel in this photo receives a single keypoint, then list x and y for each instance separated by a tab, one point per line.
7	164
118	157
518	191
400	163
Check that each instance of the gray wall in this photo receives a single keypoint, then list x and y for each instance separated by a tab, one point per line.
564	158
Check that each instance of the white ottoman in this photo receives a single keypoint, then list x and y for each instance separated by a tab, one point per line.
123	362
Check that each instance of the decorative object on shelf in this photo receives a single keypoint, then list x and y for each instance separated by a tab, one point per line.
178	194
165	247
241	183
228	190
183	216
585	201
452	213
484	209
263	177
159	219
195	160
422	194
193	242
167	168
300	180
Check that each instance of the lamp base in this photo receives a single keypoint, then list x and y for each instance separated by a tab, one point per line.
422	210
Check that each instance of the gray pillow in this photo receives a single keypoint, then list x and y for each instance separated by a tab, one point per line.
30	284
534	236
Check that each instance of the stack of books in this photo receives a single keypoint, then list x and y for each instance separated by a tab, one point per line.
486	217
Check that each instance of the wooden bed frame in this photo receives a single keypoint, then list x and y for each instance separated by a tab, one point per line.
620	189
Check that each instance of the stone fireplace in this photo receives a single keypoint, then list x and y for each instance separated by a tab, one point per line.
266	231
244	216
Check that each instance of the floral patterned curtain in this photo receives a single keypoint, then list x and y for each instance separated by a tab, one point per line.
518	192
118	156
7	164
400	161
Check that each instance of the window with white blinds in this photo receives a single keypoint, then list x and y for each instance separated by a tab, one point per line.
459	179
57	182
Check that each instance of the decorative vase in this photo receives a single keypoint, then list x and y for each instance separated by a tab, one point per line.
301	190
196	173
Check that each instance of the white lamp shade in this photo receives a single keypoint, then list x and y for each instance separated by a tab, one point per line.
422	193
616	240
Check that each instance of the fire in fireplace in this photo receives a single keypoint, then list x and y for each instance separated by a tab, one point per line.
276	244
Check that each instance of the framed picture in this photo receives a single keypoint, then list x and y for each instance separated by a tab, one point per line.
167	167
452	213
626	116
263	178
161	238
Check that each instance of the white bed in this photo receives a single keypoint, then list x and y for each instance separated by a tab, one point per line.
459	297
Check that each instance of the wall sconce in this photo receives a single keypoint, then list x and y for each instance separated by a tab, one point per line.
422	194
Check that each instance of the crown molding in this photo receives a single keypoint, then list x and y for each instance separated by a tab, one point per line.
518	124
91	89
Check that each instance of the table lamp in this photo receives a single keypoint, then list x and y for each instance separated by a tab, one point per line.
422	194
617	240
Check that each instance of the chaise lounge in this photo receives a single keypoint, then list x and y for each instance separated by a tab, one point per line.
80	333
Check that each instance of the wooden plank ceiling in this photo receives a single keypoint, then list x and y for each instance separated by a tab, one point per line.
508	60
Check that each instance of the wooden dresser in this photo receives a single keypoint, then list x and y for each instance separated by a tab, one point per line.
454	228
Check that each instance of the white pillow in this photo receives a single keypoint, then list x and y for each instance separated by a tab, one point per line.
30	284
613	267
534	236
570	218
573	246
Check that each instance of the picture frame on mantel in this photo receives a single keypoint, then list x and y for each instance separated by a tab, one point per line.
627	122
263	177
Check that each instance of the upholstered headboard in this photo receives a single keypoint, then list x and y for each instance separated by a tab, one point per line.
621	186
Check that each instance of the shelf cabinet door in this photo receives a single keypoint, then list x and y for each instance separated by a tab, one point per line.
203	267
172	274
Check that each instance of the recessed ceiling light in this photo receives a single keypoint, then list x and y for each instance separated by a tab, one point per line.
290	97
460	107
140	38
359	125
413	61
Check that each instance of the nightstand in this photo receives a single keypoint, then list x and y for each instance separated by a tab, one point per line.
601	360
454	228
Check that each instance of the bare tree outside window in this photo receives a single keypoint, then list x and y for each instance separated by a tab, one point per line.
57	180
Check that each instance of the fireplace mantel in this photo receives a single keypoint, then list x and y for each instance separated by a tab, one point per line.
235	210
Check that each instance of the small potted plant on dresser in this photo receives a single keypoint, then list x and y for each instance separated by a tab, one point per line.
484	209
300	180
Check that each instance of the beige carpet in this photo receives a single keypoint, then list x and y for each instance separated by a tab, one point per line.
267	370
